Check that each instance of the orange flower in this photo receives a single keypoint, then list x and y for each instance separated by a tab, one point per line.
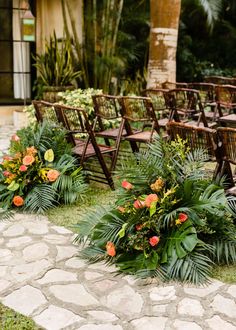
111	250
157	185
121	209
31	151
139	204
139	226
154	240
151	198
182	217
28	160
18	201
126	185
52	175
15	138
23	168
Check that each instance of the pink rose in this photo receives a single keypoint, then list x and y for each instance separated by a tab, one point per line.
23	168
6	173
126	185
151	198
139	226
154	240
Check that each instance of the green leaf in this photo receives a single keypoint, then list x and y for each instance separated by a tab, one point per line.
49	155
13	186
153	208
121	233
181	241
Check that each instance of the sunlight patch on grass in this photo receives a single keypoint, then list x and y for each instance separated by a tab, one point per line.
226	274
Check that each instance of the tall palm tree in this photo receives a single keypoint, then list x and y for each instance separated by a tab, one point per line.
165	15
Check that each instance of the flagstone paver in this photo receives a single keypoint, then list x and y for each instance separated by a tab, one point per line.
42	277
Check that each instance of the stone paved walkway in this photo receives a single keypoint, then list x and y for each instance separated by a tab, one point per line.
42	277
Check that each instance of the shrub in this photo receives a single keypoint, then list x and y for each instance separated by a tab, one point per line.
170	220
40	171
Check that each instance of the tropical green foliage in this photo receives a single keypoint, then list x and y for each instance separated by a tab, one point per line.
40	172
170	220
81	98
55	65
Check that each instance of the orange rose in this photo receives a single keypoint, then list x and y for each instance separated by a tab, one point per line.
31	151
52	175
28	160
151	198
111	250
121	209
18	201
154	240
126	185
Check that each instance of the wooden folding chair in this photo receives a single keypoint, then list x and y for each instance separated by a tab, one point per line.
226	99
174	85
107	117
208	99
197	138
185	104
139	120
86	147
158	97
45	111
227	144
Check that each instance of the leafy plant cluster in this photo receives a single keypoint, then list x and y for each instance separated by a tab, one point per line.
55	66
170	220
40	172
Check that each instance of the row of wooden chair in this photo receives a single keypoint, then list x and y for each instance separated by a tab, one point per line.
203	102
219	143
130	118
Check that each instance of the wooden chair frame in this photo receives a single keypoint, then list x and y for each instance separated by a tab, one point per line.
76	122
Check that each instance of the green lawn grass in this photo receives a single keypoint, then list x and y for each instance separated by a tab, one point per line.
11	320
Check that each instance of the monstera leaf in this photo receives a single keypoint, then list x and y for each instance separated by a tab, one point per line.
180	242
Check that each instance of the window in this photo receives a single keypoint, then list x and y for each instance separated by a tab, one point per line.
15	64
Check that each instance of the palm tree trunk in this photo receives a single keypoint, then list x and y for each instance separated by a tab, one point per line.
163	41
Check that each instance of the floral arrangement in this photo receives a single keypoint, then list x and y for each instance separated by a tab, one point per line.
170	220
39	172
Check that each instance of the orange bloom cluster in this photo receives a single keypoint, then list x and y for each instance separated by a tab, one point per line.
111	250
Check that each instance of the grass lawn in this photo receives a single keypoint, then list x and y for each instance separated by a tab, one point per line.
10	320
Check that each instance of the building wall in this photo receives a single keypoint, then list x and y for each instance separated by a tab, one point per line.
49	18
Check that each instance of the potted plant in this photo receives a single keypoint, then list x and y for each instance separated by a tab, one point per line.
55	68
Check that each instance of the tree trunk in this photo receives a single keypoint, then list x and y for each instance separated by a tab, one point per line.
163	41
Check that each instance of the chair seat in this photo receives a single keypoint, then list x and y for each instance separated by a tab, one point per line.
163	122
110	133
79	148
141	137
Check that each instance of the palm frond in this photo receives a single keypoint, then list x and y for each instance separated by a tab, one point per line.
92	254
86	226
41	198
5	214
225	252
194	268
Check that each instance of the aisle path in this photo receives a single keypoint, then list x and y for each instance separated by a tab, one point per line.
41	277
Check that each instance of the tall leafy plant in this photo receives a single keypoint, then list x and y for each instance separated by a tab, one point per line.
55	65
